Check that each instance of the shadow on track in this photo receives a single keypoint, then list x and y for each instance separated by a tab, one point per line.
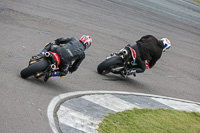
50	85
131	82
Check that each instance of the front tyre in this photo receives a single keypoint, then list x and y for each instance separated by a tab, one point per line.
103	67
34	68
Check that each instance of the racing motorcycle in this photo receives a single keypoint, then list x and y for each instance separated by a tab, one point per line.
41	65
121	62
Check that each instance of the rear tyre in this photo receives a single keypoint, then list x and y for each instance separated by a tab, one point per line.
103	67
34	68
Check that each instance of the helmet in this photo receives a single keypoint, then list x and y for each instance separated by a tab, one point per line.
86	40
166	43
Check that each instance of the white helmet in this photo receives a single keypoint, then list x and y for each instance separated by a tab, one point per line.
86	40
166	43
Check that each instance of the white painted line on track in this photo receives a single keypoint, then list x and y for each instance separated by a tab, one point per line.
111	102
70	118
179	105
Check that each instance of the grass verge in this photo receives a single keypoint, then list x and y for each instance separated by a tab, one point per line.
197	1
151	121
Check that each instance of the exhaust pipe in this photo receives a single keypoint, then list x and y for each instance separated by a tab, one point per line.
53	66
47	54
125	52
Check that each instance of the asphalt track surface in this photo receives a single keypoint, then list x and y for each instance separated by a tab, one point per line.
26	26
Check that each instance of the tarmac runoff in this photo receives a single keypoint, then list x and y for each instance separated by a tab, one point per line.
82	111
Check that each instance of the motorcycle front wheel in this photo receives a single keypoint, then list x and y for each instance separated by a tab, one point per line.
34	68
104	67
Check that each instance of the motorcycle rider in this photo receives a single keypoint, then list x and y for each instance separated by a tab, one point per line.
148	51
69	50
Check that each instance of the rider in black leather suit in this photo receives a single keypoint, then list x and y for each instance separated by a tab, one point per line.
148	51
69	50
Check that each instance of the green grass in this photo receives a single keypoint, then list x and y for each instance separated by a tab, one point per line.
151	121
197	0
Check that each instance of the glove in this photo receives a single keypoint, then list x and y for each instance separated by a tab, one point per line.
70	70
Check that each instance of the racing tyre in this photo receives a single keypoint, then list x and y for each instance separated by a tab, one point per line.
34	68
103	67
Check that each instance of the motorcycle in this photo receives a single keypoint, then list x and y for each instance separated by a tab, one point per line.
121	62
41	65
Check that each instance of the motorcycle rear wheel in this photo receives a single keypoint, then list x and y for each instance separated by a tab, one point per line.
34	68
103	67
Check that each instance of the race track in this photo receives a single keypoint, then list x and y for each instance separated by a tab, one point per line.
27	25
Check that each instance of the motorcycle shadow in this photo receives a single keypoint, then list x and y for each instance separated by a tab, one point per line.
114	77
128	81
50	84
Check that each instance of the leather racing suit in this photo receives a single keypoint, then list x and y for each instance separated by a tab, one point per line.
69	50
148	49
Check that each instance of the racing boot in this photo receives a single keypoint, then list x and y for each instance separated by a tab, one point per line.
46	48
38	56
127	72
124	73
131	72
50	74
